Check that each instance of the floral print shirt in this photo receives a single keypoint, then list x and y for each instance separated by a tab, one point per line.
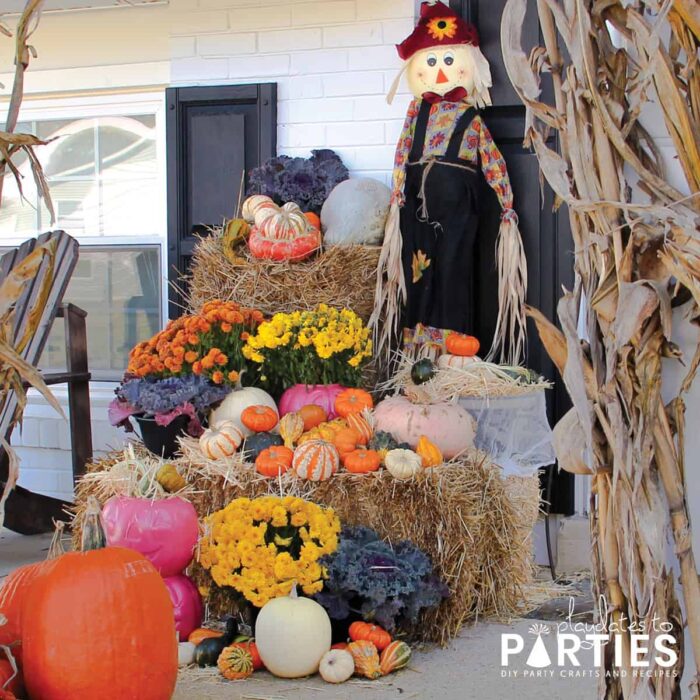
477	144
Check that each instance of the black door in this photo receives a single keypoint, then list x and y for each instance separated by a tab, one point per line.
546	234
215	135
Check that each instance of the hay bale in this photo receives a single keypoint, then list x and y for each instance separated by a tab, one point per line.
475	525
338	276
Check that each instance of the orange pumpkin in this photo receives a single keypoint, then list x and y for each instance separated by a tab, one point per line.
352	401
312	415
360	424
316	460
313	218
346	441
372	633
462	345
259	419
274	461
76	592
196	636
340	645
362	461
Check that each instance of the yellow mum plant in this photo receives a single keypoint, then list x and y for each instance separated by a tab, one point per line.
261	546
323	346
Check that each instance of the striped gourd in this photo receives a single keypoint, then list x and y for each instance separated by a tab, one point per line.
221	440
235	662
394	657
366	658
316	460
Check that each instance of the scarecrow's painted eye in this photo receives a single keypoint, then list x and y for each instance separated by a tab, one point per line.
449	58
432	59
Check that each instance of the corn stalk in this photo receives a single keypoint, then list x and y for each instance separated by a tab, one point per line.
637	255
12	143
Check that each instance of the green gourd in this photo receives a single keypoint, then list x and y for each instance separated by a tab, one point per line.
256	443
208	650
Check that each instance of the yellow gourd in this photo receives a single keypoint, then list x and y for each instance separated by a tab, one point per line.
429	452
291	429
170	479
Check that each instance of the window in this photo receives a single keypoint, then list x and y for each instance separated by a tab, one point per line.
105	178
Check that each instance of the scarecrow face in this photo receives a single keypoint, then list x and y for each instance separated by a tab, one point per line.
440	70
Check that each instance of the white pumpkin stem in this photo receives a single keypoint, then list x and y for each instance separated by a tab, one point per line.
238	386
293	593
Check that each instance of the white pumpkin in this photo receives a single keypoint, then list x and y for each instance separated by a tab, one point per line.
236	402
185	653
254	205
221	440
457	361
403	464
292	634
337	666
448	425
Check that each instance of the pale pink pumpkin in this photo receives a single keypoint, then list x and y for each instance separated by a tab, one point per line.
447	425
316	460
164	530
187	604
300	395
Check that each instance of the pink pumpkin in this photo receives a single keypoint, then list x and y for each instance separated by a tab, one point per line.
301	395
164	530
447	425
187	604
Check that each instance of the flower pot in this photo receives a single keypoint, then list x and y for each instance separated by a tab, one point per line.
162	439
300	395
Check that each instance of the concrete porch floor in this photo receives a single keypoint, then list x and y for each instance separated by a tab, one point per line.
468	668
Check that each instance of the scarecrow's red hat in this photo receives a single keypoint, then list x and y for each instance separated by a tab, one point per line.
438	26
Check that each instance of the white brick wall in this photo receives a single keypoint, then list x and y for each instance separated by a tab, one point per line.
333	61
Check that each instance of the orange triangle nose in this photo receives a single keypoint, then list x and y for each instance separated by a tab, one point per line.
441	77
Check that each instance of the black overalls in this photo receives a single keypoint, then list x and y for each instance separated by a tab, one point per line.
439	232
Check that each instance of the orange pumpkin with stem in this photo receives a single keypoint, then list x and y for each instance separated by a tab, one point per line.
259	418
372	633
274	461
352	401
362	461
346	441
312	415
462	345
80	588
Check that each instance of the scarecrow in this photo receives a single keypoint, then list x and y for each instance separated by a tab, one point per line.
426	270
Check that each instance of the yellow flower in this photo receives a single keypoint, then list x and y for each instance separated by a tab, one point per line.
441	28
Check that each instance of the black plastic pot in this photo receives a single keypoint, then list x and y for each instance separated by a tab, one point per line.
162	439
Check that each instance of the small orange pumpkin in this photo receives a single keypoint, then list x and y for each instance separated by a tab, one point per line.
366	658
429	452
362	462
316	460
273	461
313	218
235	662
340	645
359	423
312	415
352	401
259	418
201	633
346	441
372	633
462	345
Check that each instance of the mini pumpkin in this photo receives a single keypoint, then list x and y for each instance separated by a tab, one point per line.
362	461
372	633
360	424
170	478
463	345
353	401
394	657
256	443
313	218
274	461
291	429
235	663
259	418
429	452
448	361
366	658
403	464
222	440
337	666
316	460
251	647
203	633
313	415
346	440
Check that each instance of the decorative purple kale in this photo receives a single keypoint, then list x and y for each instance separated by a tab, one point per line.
390	585
305	181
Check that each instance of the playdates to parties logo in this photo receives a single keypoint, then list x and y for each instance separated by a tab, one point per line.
573	649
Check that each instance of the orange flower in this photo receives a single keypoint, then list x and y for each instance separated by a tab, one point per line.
192	339
226	327
233	376
217	377
245	335
191	356
197	367
221	359
207	362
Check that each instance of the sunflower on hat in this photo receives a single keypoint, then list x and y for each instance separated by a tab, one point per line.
441	28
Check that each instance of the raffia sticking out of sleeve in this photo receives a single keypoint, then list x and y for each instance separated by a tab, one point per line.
390	292
509	340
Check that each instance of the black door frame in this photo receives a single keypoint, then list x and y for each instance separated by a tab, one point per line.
180	242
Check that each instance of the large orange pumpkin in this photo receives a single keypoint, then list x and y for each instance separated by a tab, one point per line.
99	624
